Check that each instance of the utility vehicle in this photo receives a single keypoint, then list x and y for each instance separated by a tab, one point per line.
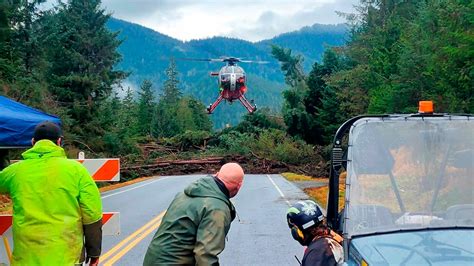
409	194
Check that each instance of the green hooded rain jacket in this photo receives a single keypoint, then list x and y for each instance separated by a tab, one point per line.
194	227
53	198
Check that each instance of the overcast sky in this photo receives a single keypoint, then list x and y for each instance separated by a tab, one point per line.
246	19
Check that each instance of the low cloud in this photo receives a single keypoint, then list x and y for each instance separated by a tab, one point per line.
270	23
246	19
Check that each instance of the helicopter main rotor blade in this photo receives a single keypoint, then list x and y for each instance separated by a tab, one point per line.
200	59
254	62
231	60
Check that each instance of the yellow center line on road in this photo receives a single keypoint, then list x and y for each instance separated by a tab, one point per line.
132	244
154	223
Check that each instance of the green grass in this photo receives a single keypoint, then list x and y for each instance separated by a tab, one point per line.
298	177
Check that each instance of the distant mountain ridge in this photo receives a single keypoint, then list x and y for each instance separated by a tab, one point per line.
310	41
146	54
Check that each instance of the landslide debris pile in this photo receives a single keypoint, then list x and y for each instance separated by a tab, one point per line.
196	163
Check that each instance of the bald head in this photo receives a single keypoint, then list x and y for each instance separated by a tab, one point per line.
232	175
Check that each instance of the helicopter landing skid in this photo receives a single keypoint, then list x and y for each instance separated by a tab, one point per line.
247	104
250	108
213	106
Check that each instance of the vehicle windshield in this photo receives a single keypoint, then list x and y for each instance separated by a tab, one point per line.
406	173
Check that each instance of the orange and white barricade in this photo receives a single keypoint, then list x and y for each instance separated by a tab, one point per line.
5	231
102	170
110	227
110	224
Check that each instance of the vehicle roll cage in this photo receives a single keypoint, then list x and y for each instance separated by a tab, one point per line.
339	160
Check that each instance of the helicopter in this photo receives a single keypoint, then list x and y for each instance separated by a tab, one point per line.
231	79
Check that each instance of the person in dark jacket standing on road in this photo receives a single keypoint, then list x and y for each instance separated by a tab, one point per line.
196	223
306	221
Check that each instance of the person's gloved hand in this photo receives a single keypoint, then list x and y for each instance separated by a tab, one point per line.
92	261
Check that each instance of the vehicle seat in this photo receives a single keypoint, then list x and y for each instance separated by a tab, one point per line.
369	216
464	212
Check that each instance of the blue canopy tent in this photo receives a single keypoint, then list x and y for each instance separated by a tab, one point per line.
17	123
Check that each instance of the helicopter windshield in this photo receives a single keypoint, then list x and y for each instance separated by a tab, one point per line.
227	70
409	173
238	70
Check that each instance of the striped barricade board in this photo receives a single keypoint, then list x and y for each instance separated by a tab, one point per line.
110	224
102	170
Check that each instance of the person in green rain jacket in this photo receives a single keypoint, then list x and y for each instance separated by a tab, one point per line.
57	209
196	223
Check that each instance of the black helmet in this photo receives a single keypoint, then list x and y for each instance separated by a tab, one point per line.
302	216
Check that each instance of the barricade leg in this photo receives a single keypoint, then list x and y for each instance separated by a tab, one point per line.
7	248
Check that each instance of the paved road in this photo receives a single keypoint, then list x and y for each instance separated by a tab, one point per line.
259	236
262	236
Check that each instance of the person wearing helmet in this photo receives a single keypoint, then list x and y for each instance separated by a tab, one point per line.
307	223
195	226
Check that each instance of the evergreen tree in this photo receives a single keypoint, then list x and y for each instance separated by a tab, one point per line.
176	114
437	59
110	112
184	116
146	109
318	98
171	92
297	119
374	51
21	57
291	65
329	117
82	54
119	120
128	122
167	109
25	41
7	69
404	52
200	118
166	124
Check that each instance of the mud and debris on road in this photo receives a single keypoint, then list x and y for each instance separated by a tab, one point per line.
208	165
